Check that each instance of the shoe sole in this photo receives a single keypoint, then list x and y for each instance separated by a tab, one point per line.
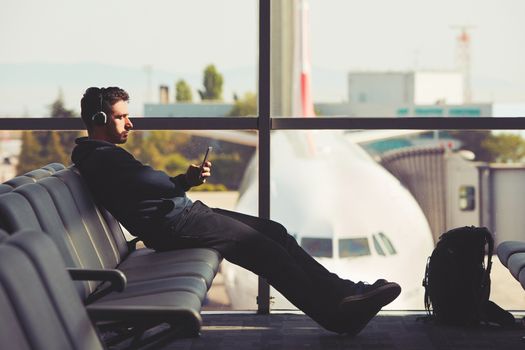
360	309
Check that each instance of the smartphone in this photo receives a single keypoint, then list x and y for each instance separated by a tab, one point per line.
208	150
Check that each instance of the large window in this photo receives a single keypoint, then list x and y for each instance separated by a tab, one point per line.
372	204
411	65
406	58
160	52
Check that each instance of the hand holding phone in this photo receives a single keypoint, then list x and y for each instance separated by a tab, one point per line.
208	150
196	175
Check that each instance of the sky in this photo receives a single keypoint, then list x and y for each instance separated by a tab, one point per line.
105	41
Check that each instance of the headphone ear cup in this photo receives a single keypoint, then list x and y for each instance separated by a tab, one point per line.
100	118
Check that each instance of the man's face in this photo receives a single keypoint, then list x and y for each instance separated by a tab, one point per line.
119	124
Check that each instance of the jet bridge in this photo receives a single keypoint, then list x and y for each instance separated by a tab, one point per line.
453	191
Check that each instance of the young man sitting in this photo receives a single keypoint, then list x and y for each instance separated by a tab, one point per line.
153	206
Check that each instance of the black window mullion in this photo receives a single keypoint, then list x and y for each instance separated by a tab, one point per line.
263	297
415	123
265	123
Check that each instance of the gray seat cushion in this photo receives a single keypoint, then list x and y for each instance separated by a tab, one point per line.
507	248
516	263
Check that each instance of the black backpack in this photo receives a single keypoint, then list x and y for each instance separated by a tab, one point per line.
457	281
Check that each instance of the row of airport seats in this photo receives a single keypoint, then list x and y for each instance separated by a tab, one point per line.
512	256
39	306
123	288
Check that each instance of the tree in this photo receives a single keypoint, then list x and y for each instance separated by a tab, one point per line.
505	147
246	106
58	110
42	147
29	157
183	92
473	141
488	147
53	151
212	84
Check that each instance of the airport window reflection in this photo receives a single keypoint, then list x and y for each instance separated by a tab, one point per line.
353	247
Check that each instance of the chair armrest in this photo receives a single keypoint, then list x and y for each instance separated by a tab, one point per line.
116	279
145	314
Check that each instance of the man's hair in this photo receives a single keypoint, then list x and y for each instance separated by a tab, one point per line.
100	99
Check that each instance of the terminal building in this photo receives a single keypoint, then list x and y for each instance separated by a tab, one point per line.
370	95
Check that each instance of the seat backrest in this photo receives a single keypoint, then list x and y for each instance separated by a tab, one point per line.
39	308
103	227
54	167
62	206
30	207
38	173
100	219
5	188
90	239
30	177
3	235
19	181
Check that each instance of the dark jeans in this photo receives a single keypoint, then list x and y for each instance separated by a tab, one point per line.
265	248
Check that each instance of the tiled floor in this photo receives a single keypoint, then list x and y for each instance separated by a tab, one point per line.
387	331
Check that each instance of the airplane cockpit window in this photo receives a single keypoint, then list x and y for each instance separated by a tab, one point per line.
353	247
387	243
377	246
317	247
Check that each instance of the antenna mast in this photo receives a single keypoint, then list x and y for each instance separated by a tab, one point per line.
463	60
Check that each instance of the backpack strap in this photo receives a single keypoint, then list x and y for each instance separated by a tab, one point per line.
425	285
488	239
492	311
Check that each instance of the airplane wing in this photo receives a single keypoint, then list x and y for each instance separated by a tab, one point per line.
234	136
367	136
250	138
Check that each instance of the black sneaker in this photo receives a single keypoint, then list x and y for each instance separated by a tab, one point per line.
358	309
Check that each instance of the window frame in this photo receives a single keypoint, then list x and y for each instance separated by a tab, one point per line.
263	123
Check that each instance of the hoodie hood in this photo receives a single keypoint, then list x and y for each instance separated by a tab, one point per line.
85	146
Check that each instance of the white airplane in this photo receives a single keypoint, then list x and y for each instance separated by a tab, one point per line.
343	208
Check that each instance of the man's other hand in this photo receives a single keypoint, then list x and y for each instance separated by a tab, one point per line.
196	175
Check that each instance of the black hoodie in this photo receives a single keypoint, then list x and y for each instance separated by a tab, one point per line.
122	185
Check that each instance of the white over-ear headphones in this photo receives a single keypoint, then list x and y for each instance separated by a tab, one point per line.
100	117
